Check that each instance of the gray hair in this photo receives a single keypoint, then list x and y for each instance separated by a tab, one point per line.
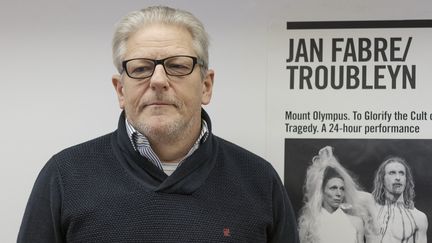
135	20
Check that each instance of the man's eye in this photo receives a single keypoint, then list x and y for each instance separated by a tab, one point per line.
177	66
141	69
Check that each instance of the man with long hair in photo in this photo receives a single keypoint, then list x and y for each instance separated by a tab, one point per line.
393	200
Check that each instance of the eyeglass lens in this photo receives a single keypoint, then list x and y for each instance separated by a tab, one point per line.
175	66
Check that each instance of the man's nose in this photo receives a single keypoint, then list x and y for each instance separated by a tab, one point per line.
159	79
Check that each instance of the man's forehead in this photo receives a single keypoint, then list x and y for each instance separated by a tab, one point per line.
395	166
158	41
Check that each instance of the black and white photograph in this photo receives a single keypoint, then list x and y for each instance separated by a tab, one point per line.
345	190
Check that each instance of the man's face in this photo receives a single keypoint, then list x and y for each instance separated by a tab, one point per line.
334	194
163	106
394	178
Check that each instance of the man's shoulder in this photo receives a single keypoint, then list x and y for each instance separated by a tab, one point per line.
82	159
233	149
95	146
420	219
243	158
419	215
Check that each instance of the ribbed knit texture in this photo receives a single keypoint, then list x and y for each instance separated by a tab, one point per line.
100	191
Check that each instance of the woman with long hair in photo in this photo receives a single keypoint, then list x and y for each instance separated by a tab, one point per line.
332	212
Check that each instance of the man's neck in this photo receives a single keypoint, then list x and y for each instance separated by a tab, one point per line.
394	198
174	151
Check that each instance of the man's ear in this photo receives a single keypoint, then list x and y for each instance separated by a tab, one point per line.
207	87
118	86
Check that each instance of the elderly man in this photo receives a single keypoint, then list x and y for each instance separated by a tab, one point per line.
396	217
162	176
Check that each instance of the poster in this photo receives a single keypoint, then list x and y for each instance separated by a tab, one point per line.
361	87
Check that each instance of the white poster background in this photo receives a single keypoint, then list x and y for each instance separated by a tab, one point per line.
282	99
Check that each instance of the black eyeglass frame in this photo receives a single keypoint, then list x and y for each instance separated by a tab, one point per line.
156	62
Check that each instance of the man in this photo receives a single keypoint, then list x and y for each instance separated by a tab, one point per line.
162	176
396	217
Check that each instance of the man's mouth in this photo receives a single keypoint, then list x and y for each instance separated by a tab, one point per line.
158	104
397	185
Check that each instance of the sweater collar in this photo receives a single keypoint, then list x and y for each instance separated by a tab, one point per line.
141	143
185	179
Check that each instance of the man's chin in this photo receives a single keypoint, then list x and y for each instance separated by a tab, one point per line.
398	192
159	128
398	189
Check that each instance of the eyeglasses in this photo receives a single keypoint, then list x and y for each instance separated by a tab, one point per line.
141	68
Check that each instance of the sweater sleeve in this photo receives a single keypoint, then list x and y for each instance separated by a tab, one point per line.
41	221
284	223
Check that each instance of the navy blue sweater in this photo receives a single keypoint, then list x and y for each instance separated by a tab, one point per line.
104	191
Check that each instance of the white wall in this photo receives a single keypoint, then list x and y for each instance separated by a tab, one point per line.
56	74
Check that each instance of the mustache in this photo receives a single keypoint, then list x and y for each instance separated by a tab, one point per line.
161	99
